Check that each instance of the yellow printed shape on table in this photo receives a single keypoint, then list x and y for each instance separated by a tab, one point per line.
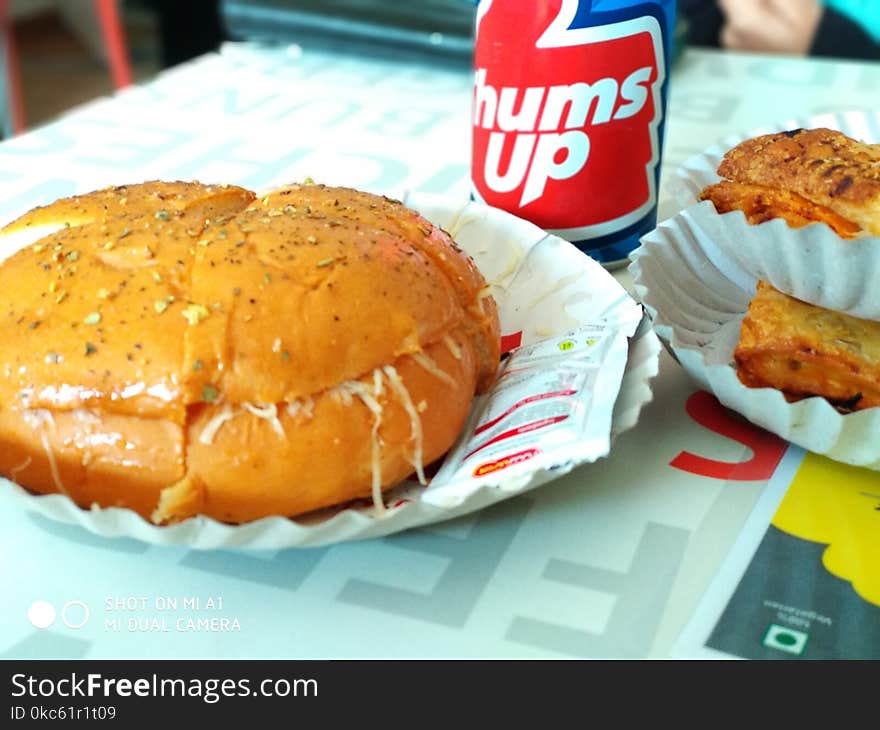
837	505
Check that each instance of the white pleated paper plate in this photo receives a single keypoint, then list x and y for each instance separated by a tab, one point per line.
811	263
697	297
544	286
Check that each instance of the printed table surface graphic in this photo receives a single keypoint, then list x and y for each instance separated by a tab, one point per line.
812	589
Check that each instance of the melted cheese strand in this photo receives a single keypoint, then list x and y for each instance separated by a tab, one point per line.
305	406
362	391
453	227
452	345
377	382
561	284
267	413
376	454
398	387
38	420
342	393
345	393
428	364
512	267
460	222
210	431
14	471
53	465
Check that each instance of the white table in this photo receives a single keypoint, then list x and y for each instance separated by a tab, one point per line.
609	561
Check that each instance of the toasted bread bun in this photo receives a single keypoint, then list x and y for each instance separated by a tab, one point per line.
802	171
182	349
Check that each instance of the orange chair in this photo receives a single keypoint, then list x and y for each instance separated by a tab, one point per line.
12	112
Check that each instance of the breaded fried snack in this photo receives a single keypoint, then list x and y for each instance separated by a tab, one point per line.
804	350
803	176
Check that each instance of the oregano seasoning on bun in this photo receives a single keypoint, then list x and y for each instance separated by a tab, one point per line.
182	349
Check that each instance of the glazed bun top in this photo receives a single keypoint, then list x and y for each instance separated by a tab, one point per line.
364	281
150	298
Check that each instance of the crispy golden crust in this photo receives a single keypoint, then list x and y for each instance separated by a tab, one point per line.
805	350
824	166
181	349
760	203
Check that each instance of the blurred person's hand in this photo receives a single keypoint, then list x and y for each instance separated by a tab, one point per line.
770	26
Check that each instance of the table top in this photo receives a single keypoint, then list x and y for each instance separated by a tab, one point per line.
610	560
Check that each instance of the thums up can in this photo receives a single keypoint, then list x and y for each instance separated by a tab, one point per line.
568	116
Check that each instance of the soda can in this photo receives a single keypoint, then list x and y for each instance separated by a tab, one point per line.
568	110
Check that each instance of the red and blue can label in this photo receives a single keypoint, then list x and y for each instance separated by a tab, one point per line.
568	116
